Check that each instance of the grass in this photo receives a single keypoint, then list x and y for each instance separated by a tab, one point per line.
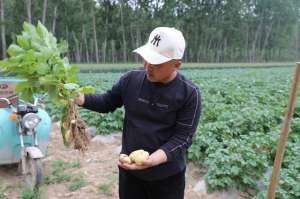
77	182
32	194
62	165
128	66
57	178
2	192
60	172
107	188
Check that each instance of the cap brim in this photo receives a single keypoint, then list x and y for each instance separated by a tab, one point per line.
150	55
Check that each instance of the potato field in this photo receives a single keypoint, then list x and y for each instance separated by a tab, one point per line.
236	140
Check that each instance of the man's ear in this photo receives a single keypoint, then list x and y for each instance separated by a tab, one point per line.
177	64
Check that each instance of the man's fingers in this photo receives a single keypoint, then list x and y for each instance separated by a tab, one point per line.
79	99
131	166
124	165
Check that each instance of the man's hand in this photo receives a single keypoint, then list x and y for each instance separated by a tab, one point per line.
134	166
156	158
79	100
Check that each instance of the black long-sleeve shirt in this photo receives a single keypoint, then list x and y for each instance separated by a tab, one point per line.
157	116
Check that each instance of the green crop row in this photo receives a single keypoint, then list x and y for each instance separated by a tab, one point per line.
108	67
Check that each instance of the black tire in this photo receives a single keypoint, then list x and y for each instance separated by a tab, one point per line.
34	172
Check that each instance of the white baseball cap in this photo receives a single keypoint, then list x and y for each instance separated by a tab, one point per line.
164	44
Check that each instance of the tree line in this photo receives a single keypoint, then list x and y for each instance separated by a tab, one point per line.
215	30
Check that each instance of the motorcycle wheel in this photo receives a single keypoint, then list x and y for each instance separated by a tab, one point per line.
34	172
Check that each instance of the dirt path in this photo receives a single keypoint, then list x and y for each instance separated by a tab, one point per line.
89	176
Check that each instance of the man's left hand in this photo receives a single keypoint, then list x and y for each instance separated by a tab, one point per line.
146	164
156	158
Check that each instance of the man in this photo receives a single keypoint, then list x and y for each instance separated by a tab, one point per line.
162	110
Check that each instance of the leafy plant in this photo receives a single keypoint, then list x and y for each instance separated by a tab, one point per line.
38	59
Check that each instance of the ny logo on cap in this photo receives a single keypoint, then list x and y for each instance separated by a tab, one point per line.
156	40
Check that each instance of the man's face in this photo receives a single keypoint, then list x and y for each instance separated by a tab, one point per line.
162	73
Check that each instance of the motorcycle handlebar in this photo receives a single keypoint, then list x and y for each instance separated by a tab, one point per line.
38	100
6	100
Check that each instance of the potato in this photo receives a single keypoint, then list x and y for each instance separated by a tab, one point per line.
65	125
139	156
68	136
125	159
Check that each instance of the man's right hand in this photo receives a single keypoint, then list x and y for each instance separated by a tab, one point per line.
79	100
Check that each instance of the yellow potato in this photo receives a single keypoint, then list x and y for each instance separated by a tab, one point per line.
65	125
139	156
124	159
68	136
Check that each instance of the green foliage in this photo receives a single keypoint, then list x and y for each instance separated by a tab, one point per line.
38	59
2	192
239	128
212	29
233	164
57	178
289	182
105	123
31	194
107	187
60	172
77	182
121	67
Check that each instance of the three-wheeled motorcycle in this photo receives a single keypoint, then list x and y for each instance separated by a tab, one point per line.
24	133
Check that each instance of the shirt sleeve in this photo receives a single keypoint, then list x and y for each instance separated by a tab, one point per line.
186	125
108	101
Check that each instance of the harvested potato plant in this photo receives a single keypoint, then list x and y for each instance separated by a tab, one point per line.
39	60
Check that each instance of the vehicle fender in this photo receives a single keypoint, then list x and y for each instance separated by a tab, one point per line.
34	152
